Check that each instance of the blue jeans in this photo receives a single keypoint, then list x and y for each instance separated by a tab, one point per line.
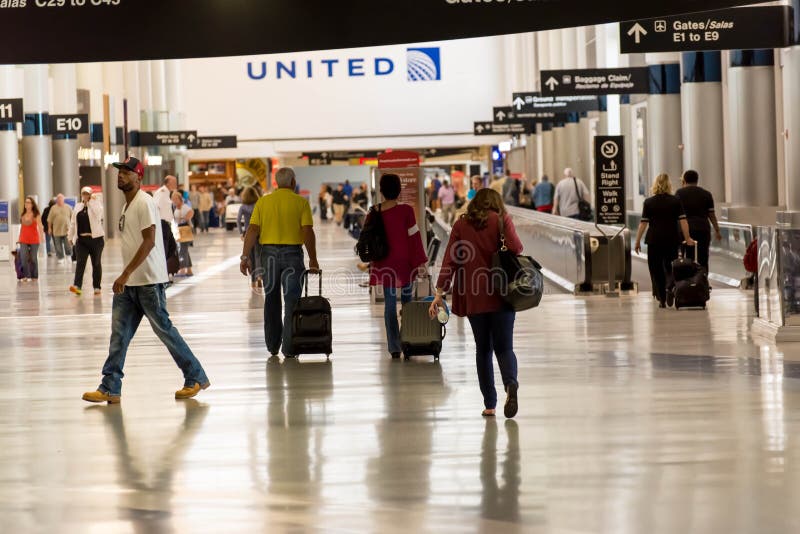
494	332
30	260
48	242
390	315
62	246
283	267
127	311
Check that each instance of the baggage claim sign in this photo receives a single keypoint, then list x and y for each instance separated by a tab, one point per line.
123	30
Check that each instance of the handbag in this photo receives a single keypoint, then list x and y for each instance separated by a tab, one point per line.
185	234
520	284
584	208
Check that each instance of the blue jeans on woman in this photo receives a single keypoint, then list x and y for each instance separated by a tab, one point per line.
494	332
390	315
126	313
283	267
30	260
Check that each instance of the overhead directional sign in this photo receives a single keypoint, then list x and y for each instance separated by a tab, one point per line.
730	29
238	27
510	114
69	124
508	128
609	175
11	110
595	81
525	103
185	138
219	141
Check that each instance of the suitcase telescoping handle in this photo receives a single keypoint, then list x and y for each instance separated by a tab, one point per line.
304	280
417	285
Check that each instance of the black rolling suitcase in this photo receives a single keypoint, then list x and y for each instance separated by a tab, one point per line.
312	331
419	334
691	289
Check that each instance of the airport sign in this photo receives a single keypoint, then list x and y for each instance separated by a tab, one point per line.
69	124
531	103
181	138
506	128
583	82
609	179
729	29
219	141
11	110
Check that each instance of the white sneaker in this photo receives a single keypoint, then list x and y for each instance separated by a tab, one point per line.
61	261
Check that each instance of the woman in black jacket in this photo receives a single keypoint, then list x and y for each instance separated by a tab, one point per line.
663	214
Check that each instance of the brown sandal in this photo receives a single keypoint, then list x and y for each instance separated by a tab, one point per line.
488	413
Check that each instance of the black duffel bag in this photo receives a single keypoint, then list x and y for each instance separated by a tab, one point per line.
518	279
372	244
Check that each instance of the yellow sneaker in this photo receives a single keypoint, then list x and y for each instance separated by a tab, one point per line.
76	290
190	391
101	396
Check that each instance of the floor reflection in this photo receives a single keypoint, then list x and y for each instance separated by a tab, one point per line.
500	500
148	507
413	392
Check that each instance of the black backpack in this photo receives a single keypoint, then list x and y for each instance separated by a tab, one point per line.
372	244
584	208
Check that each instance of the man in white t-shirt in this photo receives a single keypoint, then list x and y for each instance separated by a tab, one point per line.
140	292
569	191
163	198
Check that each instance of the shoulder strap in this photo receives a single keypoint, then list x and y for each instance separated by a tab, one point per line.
577	191
501	225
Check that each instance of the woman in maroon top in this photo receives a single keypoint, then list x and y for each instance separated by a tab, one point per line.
467	266
406	257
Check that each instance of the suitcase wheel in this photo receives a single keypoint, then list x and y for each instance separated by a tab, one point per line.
436	357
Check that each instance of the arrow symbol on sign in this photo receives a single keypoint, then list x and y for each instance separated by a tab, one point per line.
637	31
552	83
191	138
500	115
518	103
479	128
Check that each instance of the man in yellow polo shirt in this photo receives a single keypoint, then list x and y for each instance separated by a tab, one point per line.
282	224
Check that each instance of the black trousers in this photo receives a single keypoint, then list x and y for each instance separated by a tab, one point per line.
659	260
703	240
86	247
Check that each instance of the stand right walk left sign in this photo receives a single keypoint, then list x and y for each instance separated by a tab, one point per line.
609	162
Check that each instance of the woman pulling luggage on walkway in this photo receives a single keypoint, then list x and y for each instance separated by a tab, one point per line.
467	266
405	261
663	215
30	235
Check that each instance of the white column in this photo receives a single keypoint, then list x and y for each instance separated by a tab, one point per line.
37	163
90	78
146	95
9	147
65	146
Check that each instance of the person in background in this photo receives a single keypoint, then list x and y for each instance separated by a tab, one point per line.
140	292
194	202
232	197
406	259
348	192
511	192
205	204
31	234
665	221
48	239
476	184
183	217
249	199
361	198
436	185
87	235
447	197
163	198
58	226
282	223
698	205
543	195
220	194
569	191
340	201
474	240
322	202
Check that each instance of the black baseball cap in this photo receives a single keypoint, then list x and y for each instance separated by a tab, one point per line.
131	164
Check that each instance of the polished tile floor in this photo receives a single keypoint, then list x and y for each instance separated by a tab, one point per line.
633	420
